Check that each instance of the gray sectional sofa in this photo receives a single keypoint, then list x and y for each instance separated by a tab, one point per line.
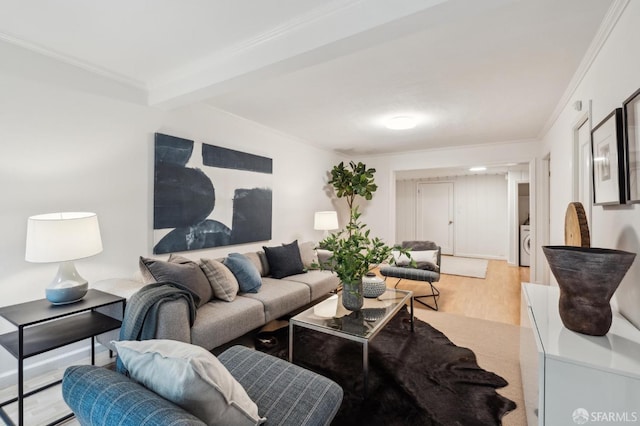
224	299
218	321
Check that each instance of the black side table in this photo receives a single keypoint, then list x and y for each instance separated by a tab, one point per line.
43	327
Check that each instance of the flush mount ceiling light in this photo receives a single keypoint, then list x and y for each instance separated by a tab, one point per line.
401	122
478	169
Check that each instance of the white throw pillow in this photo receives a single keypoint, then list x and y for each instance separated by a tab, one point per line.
190	377
416	255
400	259
425	256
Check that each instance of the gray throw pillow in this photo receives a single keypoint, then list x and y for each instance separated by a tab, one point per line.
223	282
245	272
284	260
181	271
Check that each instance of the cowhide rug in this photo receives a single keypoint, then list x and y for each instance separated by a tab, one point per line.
418	378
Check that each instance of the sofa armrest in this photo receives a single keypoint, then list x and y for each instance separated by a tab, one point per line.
101	397
173	321
284	393
324	259
173	316
122	287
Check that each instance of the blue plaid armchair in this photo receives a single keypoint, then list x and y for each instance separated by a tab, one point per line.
284	393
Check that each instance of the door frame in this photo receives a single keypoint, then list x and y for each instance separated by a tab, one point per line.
583	120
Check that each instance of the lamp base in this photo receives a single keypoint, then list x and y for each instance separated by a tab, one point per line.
65	296
67	286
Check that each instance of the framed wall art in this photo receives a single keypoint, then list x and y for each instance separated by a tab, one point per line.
208	196
607	149
631	115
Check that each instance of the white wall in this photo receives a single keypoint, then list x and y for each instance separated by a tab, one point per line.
68	146
613	76
381	217
480	214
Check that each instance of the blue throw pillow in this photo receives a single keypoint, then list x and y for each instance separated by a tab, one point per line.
245	272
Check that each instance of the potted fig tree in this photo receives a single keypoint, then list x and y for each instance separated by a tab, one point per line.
354	250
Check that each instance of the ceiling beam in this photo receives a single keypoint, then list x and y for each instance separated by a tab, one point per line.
336	29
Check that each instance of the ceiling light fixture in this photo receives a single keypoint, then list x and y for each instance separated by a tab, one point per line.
401	122
478	169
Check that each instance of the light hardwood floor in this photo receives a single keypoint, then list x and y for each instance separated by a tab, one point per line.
495	298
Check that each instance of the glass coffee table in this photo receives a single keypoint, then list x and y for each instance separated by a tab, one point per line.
330	317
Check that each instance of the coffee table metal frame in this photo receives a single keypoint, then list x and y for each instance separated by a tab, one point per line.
392	301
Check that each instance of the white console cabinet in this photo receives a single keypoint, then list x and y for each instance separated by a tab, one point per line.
570	378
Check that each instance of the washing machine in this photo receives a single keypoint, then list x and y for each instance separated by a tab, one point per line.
525	245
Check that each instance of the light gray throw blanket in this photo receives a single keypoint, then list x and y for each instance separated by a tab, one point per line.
140	320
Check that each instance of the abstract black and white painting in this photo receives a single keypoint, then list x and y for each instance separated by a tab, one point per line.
208	196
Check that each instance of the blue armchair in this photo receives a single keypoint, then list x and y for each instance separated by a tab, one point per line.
284	393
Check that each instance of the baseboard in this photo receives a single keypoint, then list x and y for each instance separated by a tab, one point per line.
49	361
480	256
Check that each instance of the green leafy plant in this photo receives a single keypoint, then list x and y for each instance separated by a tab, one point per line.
357	180
353	249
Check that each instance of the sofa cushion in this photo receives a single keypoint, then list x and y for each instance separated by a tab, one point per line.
286	394
220	322
410	273
284	260
192	378
181	271
98	396
245	271
280	297
223	282
319	282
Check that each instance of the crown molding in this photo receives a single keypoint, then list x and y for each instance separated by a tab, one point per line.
606	27
70	60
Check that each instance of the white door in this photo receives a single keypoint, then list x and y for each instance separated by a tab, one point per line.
434	216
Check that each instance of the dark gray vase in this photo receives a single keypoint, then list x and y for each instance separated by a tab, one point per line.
587	278
352	295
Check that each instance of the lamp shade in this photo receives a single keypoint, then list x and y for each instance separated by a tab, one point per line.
325	221
61	237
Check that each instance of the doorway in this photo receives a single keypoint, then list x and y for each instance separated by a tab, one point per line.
524	227
434	214
582	180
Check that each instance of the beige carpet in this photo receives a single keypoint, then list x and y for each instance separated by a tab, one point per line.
497	348
464	266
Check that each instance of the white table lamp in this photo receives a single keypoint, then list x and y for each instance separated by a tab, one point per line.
325	221
63	237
